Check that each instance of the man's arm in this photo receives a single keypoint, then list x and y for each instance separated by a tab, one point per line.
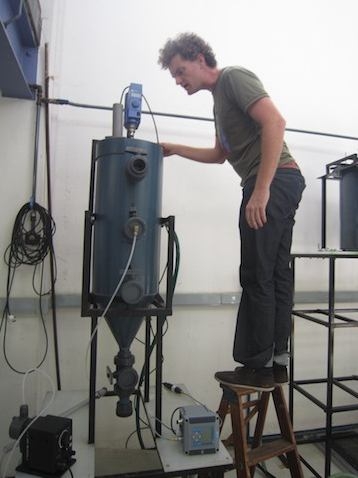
201	155
265	113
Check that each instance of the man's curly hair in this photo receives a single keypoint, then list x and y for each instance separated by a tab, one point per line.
188	46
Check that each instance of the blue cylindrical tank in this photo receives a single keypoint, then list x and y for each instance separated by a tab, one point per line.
128	191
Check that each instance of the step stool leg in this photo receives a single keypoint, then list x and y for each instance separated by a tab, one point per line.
260	423
284	421
239	438
223	410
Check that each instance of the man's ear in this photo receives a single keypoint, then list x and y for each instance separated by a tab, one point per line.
200	59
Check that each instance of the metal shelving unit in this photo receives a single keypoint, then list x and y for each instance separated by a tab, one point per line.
332	319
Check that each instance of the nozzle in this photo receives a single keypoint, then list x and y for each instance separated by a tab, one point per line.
130	131
134	227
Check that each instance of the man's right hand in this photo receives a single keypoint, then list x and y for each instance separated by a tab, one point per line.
168	149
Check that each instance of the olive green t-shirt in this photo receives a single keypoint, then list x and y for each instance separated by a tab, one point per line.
239	135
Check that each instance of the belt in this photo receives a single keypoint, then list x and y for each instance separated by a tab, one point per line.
292	164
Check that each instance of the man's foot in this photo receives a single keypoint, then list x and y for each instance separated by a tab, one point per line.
280	373
260	379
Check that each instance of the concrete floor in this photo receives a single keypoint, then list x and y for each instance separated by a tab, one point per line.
117	462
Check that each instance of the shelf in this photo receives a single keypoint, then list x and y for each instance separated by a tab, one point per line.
20	28
332	319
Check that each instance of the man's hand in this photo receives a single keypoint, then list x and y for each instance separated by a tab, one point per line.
168	149
201	155
265	113
255	211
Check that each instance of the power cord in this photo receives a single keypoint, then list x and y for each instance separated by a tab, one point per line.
151	114
154	341
31	236
176	389
31	241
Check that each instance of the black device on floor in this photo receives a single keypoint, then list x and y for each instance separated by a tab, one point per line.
46	447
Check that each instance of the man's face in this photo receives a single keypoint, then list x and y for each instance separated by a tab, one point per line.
188	74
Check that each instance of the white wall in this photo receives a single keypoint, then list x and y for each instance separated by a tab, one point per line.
304	53
96	52
306	66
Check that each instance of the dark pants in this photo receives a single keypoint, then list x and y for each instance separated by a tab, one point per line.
264	316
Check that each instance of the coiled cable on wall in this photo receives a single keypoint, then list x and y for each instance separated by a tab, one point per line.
31	242
31	236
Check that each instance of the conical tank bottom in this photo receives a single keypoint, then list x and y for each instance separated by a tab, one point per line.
124	329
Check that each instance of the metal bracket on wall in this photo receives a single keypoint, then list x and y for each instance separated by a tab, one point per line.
20	32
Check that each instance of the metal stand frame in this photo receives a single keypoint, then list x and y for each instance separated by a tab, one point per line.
332	319
160	309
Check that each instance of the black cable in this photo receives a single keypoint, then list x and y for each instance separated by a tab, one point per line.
151	113
137	404
177	260
140	382
171	420
31	237
132	434
6	310
39	291
154	341
122	95
31	242
36	145
265	471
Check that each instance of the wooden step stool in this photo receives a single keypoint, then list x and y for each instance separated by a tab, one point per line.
237	401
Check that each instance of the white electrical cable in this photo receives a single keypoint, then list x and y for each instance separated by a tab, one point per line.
23	383
7	449
175	438
34	419
123	275
114	293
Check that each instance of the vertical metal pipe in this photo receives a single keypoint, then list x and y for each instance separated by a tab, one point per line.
329	400
87	242
92	384
292	348
36	145
147	358
324	212
49	201
158	378
92	176
85	298
170	285
117	127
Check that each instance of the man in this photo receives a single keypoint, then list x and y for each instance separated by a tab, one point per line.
250	135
